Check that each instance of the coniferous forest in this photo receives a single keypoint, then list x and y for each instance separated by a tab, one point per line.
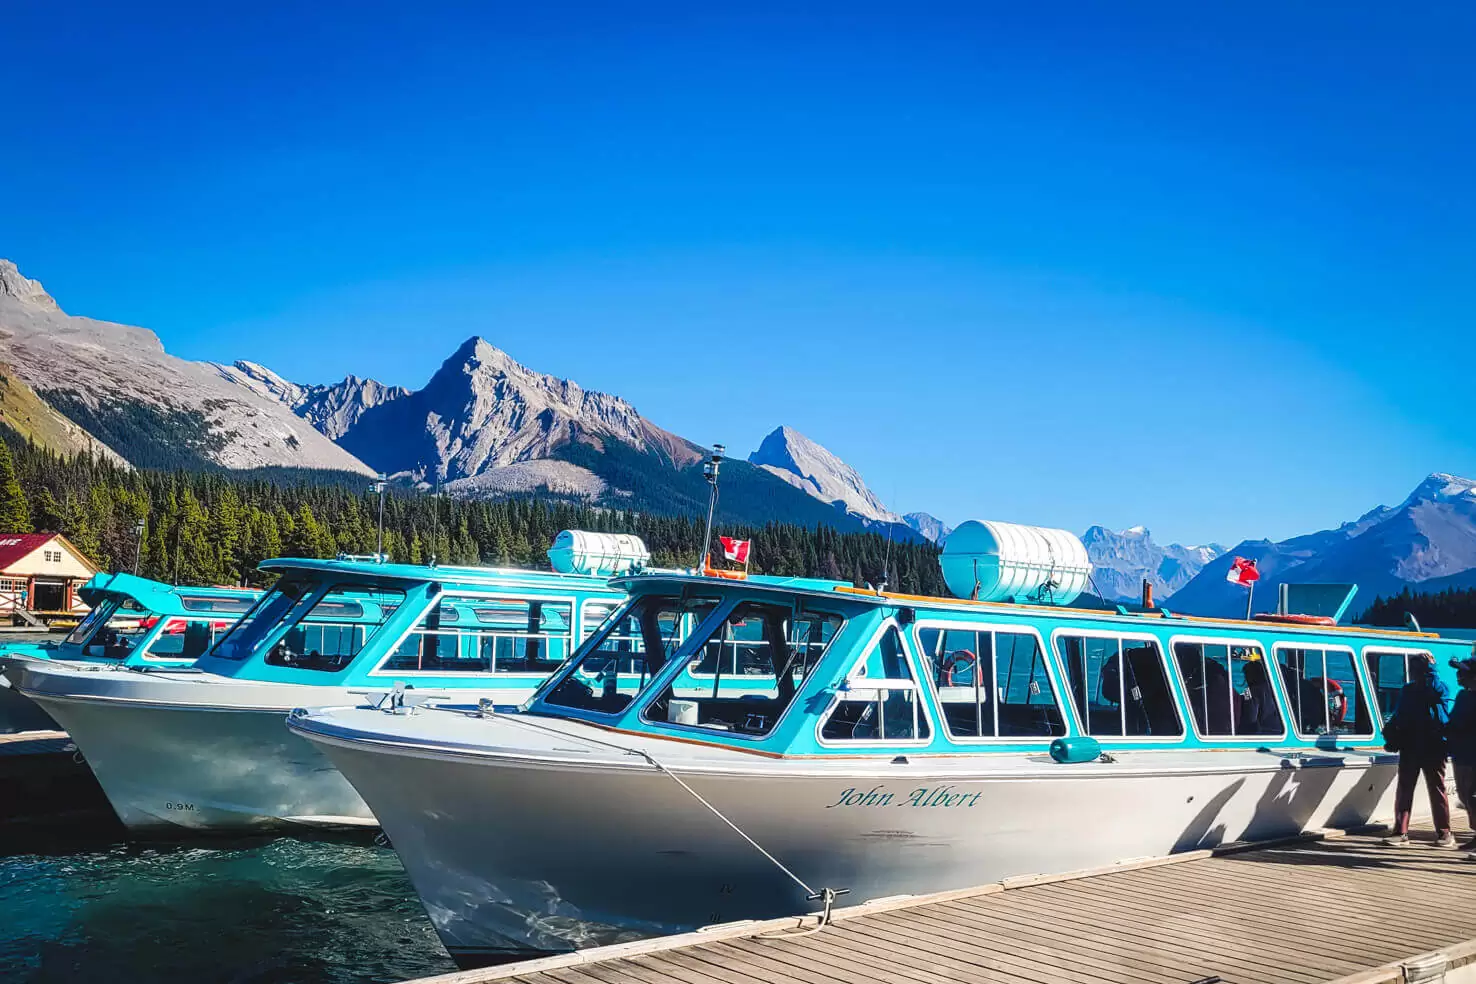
216	526
1451	608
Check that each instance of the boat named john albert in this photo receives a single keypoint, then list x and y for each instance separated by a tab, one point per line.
866	741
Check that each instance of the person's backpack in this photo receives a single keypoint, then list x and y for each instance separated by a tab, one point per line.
1392	733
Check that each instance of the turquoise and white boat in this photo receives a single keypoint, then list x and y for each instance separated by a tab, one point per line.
868	742
205	749
133	622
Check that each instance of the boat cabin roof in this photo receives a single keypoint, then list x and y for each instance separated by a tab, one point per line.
845	593
376	573
166	599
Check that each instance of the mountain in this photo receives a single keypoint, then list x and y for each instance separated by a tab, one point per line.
118	387
928	526
482	411
794	458
1427	542
1122	560
331	409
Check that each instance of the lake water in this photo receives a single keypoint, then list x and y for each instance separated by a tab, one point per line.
268	911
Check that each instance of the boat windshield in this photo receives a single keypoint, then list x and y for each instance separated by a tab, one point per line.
630	648
263	616
99	615
330	633
112	629
747	671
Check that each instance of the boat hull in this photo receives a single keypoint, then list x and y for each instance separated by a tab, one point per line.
175	757
516	857
18	712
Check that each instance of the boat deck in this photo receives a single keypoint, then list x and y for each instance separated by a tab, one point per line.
1309	911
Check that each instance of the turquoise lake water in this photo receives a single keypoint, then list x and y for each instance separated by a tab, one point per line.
280	911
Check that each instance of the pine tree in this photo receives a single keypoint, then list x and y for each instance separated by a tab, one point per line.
15	511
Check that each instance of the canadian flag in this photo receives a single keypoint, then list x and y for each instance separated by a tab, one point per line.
735	550
1243	572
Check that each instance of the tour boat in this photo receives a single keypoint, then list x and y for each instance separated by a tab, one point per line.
204	748
133	622
795	741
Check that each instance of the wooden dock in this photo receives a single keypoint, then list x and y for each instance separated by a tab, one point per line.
45	786
1326	907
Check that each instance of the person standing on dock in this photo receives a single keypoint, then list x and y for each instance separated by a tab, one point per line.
1461	737
1417	731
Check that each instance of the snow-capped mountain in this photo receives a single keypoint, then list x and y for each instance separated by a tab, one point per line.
1427	541
331	409
928	526
1123	559
118	384
791	456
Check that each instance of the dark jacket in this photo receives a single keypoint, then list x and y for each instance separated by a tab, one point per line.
1420	717
1461	729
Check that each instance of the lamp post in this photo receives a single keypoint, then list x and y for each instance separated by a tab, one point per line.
138	543
710	472
379	541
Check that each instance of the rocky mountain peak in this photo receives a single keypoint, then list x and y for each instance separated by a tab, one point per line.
14	284
793	457
1443	487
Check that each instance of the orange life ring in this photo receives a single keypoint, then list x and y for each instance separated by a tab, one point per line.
1298	619
957	660
1337	701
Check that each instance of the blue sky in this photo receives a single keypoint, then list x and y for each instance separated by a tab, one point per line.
1203	267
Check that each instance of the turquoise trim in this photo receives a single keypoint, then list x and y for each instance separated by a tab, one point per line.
866	615
154	600
249	656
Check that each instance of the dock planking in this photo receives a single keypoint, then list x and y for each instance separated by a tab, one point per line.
1324	907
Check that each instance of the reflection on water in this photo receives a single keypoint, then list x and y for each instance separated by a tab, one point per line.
280	911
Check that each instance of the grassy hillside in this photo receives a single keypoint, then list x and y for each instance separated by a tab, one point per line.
34	420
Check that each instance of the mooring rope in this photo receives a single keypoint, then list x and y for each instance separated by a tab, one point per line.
827	896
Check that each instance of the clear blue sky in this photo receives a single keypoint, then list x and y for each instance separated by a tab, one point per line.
1211	268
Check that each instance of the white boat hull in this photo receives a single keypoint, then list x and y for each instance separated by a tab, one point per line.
176	756
19	713
517	854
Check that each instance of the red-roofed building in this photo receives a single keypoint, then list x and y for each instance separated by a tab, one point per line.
40	572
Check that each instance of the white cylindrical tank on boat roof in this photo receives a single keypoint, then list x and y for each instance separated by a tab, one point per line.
598	554
1009	562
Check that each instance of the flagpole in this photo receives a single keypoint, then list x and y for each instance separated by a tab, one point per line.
1249	597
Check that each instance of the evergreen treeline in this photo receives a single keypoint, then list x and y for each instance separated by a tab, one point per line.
1451	608
214	527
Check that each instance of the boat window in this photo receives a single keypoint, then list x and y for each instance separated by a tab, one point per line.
1389	672
879	700
1119	687
236	605
594	615
629	649
465	634
1228	688
329	634
121	624
1323	691
991	684
186	638
271	609
747	672
101	614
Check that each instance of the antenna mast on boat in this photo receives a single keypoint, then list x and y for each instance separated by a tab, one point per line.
710	472
379	540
